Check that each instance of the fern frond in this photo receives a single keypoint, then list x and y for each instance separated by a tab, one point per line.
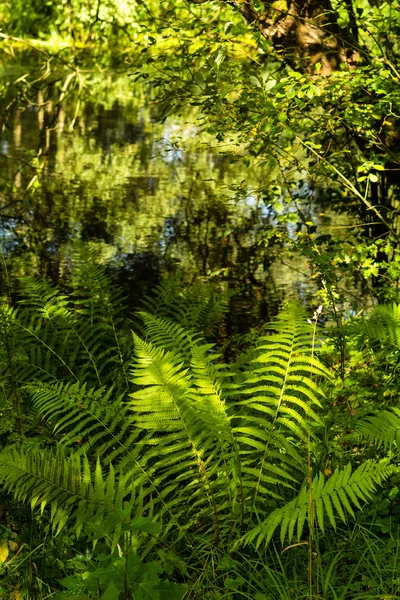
44	298
188	431
278	390
88	419
383	325
169	335
383	429
333	498
194	307
168	384
69	485
209	404
94	293
57	341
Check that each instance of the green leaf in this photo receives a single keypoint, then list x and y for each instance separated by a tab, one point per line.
199	79
3	550
270	84
111	593
291	92
171	591
146	525
255	81
71	581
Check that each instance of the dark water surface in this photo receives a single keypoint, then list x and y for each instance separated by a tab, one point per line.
150	199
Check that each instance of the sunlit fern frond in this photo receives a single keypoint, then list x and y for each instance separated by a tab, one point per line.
184	434
277	400
331	499
169	335
69	485
208	378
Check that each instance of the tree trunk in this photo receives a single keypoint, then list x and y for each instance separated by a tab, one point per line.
305	32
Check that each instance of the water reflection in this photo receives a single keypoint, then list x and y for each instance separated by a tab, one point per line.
98	168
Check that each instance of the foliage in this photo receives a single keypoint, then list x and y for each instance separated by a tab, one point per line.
178	447
174	452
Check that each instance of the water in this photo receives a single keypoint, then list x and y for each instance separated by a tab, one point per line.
151	199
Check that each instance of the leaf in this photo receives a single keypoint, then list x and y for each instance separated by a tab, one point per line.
171	591
220	56
270	84
199	79
3	550
255	81
146	525
70	581
232	584
111	593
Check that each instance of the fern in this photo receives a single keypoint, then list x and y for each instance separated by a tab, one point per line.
54	338
86	418
208	447
165	407
68	485
383	325
169	335
275	402
335	497
94	293
195	308
382	429
380	336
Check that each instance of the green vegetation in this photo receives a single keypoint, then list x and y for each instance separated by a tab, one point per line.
199	300
153	449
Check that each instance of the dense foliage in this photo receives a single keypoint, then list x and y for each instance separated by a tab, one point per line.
162	436
155	449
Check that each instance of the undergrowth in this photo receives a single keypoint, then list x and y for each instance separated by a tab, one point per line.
135	463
